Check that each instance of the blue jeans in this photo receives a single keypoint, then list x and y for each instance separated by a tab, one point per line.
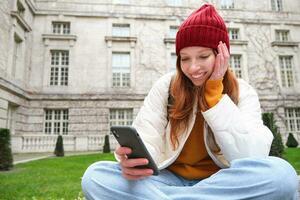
269	178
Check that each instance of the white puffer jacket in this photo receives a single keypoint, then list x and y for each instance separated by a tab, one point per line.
238	129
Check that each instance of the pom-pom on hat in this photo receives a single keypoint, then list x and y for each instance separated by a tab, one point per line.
204	27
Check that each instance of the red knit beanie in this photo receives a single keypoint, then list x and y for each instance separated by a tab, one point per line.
204	27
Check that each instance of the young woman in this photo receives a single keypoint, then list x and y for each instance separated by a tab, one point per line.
203	128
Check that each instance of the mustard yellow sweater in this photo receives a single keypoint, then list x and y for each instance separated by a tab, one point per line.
194	161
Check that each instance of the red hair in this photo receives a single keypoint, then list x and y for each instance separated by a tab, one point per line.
183	93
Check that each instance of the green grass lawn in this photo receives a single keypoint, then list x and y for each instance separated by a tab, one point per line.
51	178
292	155
60	178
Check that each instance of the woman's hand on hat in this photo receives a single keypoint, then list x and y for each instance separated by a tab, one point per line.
221	62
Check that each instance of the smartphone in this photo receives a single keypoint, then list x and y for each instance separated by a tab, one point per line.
127	136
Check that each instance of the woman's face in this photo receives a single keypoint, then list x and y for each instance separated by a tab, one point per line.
197	63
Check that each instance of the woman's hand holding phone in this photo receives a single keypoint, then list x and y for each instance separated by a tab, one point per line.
129	165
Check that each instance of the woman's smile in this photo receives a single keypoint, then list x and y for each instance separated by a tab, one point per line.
198	76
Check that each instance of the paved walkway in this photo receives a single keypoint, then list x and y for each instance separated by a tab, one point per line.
26	157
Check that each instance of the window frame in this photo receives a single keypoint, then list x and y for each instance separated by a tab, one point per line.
59	73
172	67
173	31
283	72
63	122
277	5
233	66
127	120
60	26
121	76
279	35
225	4
231	34
290	114
117	28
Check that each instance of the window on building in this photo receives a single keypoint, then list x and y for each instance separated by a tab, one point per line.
276	5
61	28
59	67
286	71
282	35
173	31
56	122
121	117
17	51
173	62
235	64
234	34
292	117
121	30
174	2
121	69
227	4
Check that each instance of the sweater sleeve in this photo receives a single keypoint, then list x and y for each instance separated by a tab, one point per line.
213	92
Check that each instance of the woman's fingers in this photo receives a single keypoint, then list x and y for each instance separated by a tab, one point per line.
225	51
226	58
128	165
221	62
134	162
132	173
217	65
121	151
221	52
137	172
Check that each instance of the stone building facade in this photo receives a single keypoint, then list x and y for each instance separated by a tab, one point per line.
75	67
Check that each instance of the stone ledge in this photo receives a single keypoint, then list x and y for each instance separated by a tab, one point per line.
21	21
285	43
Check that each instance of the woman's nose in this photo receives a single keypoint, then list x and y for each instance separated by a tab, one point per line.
194	65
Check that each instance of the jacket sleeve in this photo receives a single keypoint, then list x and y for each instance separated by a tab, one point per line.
151	120
239	129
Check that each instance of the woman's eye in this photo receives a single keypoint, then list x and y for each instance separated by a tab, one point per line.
203	57
184	59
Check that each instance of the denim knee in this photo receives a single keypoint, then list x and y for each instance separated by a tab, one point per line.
279	175
283	176
94	170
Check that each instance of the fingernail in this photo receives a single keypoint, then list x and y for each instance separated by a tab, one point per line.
146	161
